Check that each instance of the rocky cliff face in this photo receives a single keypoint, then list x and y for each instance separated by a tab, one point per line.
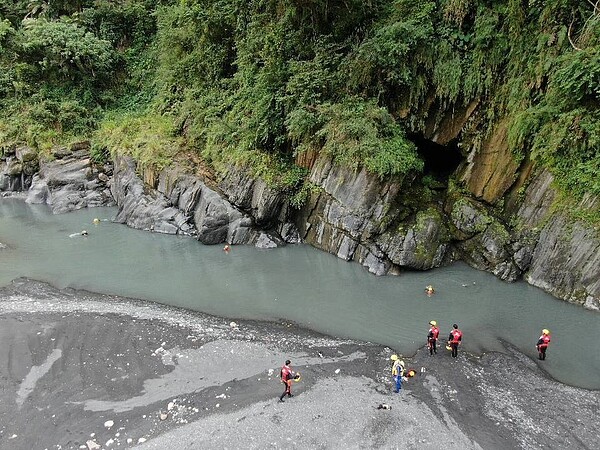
566	256
501	220
17	167
180	203
357	217
66	180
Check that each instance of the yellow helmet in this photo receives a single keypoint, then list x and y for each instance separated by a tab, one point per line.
394	357
432	322
545	331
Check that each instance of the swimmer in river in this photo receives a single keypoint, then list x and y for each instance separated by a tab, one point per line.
81	233
429	290
226	248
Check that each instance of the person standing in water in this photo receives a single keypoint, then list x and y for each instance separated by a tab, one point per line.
542	344
432	337
454	340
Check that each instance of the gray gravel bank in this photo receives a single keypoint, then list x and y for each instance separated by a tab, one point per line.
82	370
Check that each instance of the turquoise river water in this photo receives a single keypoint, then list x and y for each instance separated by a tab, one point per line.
296	283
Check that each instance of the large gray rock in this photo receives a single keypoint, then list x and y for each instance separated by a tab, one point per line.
421	244
563	255
145	209
183	204
484	242
213	217
253	195
373	259
566	261
182	190
15	175
352	214
345	208
67	185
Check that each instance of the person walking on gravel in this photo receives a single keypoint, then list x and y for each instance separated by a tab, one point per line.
287	375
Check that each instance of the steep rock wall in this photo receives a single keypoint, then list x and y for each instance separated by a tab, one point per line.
355	216
490	169
503	222
181	203
566	259
65	180
17	167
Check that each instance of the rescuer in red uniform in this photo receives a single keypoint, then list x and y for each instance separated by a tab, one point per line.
287	375
542	344
432	337
454	340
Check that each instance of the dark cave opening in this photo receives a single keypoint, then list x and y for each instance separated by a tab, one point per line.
440	160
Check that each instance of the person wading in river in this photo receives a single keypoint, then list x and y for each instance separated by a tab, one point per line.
454	340
542	344
287	375
432	337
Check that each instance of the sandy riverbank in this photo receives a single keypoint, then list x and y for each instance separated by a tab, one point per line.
81	369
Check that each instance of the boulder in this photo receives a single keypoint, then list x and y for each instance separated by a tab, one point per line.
347	206
213	218
68	184
38	192
351	215
252	195
267	240
421	244
182	190
144	209
289	233
482	240
15	175
566	260
181	204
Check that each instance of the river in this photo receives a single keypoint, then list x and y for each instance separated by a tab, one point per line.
296	283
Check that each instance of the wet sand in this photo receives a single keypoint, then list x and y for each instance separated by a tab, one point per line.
83	370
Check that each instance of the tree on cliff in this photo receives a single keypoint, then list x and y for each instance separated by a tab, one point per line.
261	82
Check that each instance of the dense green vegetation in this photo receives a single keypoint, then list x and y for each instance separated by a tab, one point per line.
257	82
